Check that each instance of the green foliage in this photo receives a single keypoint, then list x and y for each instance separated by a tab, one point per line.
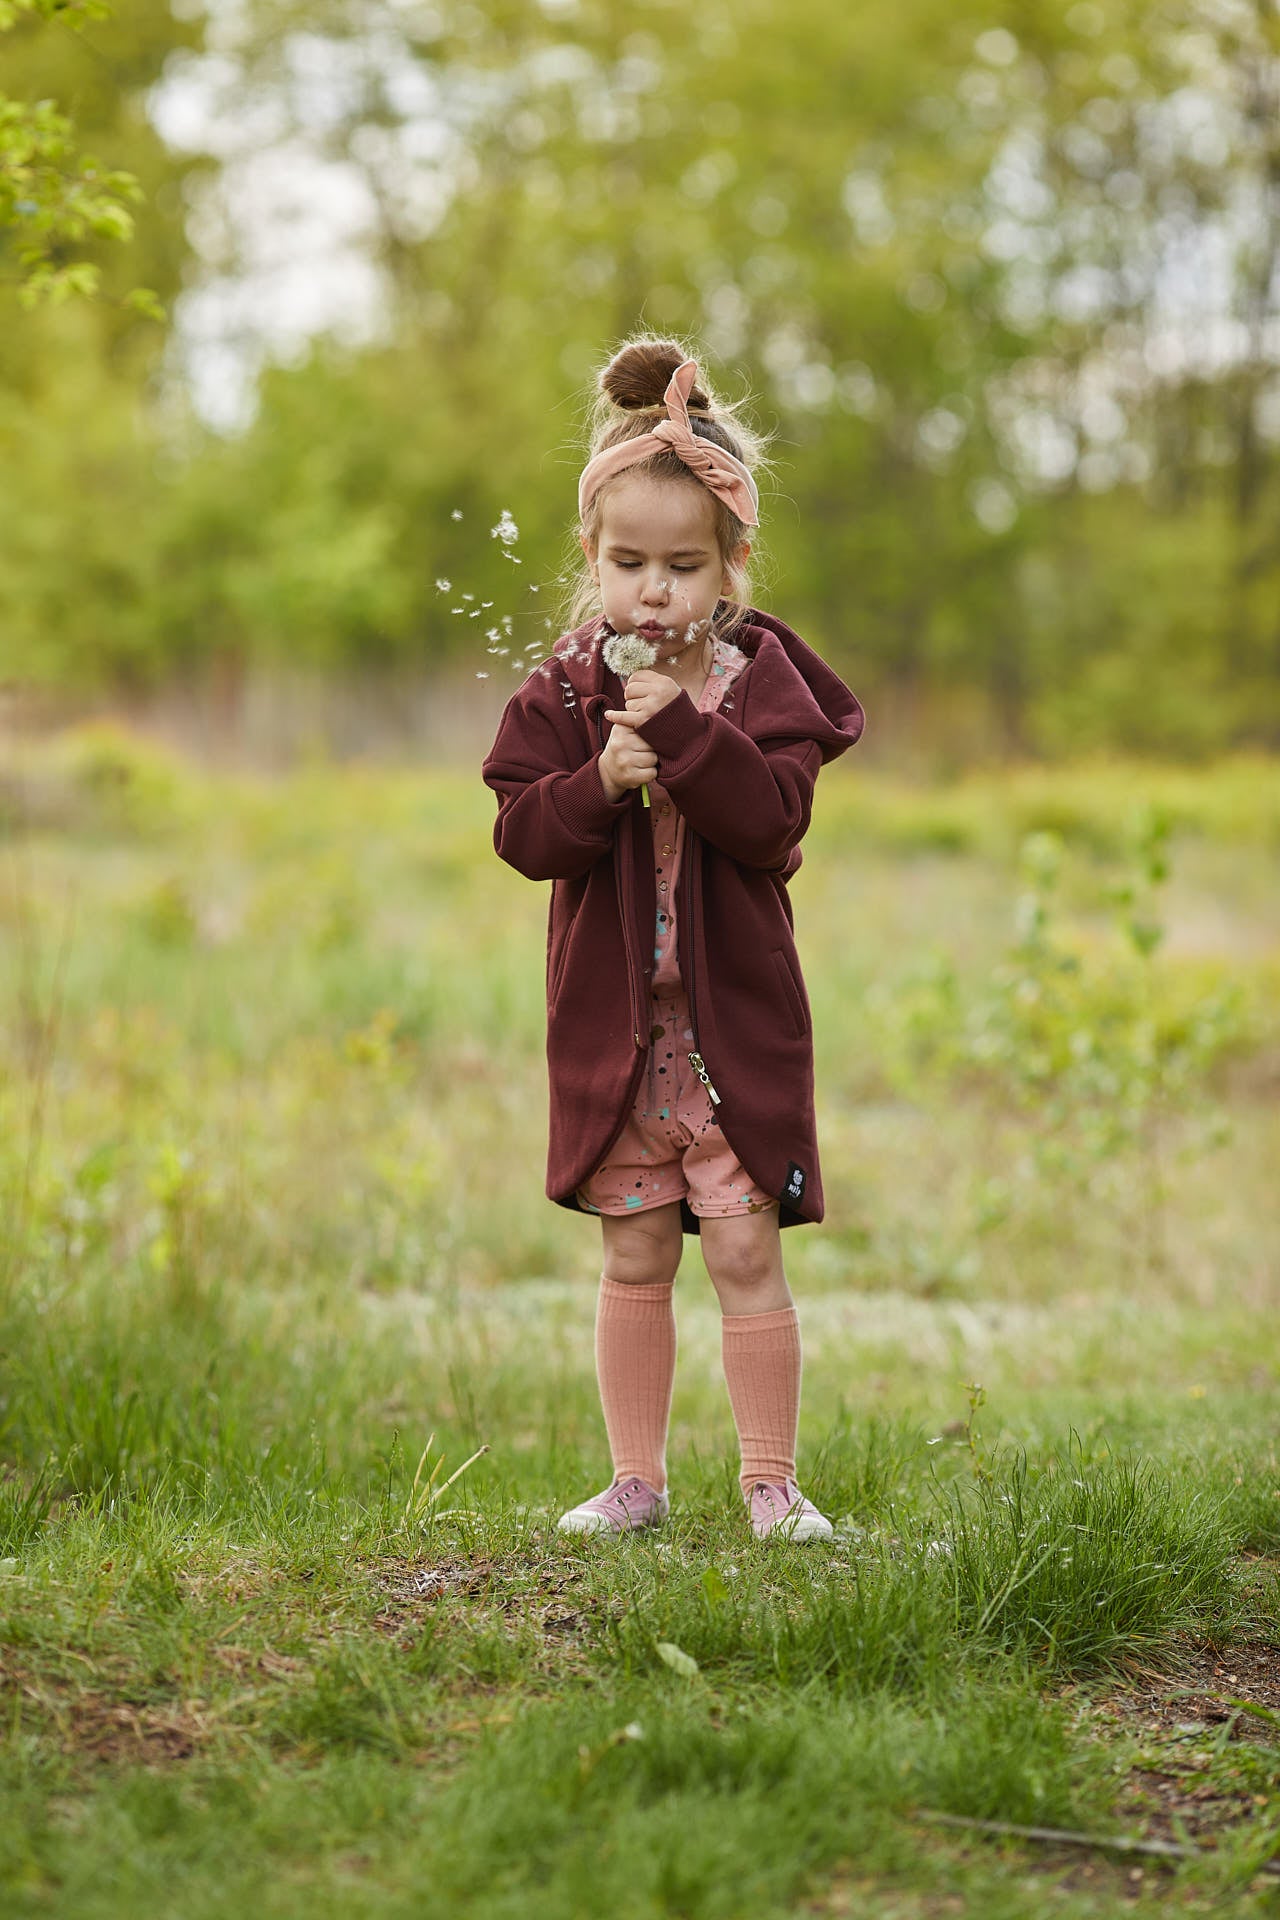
1004	499
1108	1057
53	198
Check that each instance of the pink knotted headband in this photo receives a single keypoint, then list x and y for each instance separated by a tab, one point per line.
726	476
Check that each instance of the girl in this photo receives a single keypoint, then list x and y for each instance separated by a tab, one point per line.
659	770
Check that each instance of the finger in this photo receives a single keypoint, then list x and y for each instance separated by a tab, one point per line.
622	719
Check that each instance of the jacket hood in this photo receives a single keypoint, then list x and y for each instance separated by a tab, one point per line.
810	702
840	710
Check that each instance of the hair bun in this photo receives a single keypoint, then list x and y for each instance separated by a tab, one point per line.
639	374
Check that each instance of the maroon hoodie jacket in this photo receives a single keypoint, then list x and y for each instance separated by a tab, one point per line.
743	778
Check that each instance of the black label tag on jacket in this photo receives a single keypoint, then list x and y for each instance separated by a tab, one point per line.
794	1188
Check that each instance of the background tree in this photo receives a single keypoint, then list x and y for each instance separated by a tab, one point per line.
1007	291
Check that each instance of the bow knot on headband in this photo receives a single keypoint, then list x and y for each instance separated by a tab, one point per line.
718	470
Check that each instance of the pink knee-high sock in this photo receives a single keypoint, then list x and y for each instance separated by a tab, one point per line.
762	1361
636	1368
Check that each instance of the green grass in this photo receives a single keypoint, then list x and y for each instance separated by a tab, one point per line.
271	1134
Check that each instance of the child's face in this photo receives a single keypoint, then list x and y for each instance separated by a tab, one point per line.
657	562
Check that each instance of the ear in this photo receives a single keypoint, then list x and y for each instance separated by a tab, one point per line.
589	549
737	560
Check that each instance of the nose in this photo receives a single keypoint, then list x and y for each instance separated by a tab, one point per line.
655	589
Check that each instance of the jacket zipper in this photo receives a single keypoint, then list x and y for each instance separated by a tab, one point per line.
699	1066
683	919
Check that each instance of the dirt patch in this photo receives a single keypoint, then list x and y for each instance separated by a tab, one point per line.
1208	1765
511	1591
248	1663
1199	1687
95	1725
113	1731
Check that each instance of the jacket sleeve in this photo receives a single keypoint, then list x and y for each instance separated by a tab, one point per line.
554	820
750	798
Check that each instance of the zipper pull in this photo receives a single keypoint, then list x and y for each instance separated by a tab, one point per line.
699	1066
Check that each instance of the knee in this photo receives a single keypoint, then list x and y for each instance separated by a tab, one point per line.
744	1273
643	1252
742	1264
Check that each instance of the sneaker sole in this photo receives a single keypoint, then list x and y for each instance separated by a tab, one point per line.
805	1529
596	1523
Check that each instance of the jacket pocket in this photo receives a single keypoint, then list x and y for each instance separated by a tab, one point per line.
557	953
793	992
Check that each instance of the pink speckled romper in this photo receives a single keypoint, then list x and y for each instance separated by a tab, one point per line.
671	1147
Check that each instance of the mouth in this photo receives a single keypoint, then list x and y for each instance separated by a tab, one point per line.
652	629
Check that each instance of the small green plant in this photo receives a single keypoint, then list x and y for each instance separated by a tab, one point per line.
1102	1058
420	1508
183	1200
977	1397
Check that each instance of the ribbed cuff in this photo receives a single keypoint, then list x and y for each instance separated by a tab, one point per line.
761	1322
583	805
677	732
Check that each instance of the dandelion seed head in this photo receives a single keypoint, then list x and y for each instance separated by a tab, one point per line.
627	653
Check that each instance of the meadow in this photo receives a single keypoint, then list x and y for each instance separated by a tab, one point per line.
297	1372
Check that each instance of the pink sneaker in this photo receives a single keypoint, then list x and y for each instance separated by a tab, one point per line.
783	1509
626	1504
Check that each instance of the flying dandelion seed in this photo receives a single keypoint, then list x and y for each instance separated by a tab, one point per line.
468	596
482	676
456	514
444	586
506	530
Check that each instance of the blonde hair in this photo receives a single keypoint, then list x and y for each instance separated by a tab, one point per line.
629	396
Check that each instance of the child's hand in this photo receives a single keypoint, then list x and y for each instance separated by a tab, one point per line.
648	691
627	761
